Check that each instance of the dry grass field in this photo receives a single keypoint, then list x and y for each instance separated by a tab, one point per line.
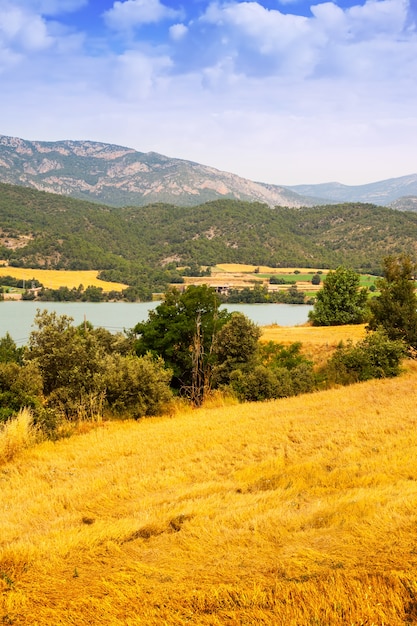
238	275
263	269
294	512
53	279
318	342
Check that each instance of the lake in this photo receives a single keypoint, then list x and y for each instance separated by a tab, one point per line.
16	318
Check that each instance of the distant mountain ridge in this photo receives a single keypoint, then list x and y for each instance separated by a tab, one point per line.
391	192
120	176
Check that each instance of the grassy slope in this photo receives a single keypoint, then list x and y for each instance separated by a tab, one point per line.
293	512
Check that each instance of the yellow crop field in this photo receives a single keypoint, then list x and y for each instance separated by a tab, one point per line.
293	512
263	269
318	342
53	279
318	335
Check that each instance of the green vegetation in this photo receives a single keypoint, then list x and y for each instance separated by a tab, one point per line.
340	301
79	372
395	309
376	356
145	246
259	294
70	374
184	331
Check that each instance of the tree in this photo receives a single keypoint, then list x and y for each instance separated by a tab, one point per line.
236	346
340	300
182	330
9	351
395	309
20	387
68	358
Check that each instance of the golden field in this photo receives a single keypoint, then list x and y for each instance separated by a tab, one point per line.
318	342
264	269
294	512
54	279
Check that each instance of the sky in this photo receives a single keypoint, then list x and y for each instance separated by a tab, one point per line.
279	91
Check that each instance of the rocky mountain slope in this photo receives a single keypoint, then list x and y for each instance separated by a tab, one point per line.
121	176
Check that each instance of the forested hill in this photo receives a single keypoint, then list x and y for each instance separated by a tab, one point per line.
135	244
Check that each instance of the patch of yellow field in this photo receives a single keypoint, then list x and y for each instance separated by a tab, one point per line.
318	335
264	269
53	279
318	342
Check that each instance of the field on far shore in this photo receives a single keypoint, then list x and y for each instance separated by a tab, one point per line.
265	269
318	342
54	279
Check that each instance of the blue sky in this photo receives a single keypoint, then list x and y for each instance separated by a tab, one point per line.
280	91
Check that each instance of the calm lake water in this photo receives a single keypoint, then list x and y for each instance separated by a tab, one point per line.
16	318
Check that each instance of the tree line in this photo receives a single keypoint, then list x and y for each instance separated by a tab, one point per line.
144	247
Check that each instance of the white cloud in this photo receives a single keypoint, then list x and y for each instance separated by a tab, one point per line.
273	97
131	13
22	31
135	76
333	41
178	31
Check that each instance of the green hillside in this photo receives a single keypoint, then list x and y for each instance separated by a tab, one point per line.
143	245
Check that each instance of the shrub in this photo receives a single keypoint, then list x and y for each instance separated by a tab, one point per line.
266	383
376	356
20	387
136	386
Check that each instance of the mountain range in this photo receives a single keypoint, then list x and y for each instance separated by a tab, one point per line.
120	176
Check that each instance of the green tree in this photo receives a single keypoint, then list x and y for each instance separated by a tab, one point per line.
20	387
9	351
395	309
182	330
69	360
340	300
236	346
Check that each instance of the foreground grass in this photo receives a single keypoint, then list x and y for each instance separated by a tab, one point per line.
54	279
293	512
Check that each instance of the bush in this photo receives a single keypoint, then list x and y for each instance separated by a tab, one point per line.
376	356
20	387
266	383
136	386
